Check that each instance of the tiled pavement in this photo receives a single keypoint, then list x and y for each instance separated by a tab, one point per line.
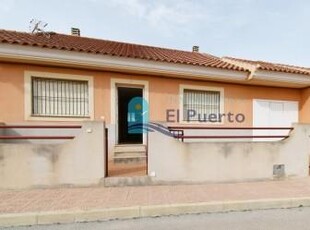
40	200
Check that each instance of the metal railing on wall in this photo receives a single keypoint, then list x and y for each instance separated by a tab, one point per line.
178	132
38	137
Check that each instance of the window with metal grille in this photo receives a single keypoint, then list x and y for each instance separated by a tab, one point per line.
59	97
199	104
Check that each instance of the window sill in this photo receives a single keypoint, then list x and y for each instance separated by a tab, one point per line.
57	118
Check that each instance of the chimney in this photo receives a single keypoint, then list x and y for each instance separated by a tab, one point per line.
75	32
196	49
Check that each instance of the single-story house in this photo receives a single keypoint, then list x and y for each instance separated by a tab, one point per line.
52	77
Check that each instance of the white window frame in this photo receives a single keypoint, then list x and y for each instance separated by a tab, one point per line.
201	88
28	95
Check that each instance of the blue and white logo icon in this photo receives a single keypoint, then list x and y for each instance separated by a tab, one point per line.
138	118
138	115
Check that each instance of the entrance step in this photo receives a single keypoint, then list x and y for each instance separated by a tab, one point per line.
127	181
129	153
129	148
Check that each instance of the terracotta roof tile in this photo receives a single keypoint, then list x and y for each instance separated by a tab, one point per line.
268	66
114	48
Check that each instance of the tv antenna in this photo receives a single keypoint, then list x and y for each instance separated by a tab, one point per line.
38	26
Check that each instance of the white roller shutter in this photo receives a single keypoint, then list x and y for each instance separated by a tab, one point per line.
270	113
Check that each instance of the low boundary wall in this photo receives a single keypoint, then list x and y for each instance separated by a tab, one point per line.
171	160
77	162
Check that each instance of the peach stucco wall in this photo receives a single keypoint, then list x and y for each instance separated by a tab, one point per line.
12	90
305	106
11	93
163	93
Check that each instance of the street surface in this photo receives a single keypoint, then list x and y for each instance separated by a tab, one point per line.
284	219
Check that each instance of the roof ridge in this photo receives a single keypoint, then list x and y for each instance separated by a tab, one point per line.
272	66
268	62
65	42
106	40
210	55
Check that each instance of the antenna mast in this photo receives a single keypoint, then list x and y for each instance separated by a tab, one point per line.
38	26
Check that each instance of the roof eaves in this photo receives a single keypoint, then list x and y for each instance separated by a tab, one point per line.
89	45
268	66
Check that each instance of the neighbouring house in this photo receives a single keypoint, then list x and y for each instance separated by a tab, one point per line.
52	77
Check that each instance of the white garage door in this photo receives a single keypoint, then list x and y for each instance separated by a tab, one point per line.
269	113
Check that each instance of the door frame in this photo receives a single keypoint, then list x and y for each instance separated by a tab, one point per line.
120	82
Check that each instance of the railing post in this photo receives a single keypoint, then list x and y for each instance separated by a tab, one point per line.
106	150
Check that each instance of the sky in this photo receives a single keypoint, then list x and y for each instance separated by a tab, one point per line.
270	30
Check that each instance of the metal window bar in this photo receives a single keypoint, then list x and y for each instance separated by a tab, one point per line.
202	102
59	97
